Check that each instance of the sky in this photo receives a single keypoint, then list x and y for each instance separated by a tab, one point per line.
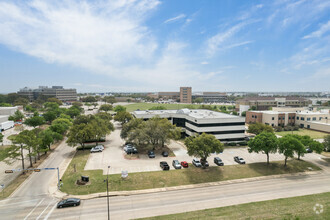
154	45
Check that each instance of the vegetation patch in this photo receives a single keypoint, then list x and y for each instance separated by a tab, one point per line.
301	207
158	179
311	133
4	150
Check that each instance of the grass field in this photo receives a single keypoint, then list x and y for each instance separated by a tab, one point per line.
311	133
4	151
146	106
159	179
289	208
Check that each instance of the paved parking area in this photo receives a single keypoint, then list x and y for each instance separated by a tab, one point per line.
113	155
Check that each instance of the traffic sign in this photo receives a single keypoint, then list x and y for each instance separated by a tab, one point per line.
37	170
9	171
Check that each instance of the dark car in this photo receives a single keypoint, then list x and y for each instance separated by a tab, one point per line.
151	154
204	163
184	164
68	202
164	165
308	150
165	154
218	161
239	160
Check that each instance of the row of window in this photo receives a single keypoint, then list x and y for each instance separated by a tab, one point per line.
308	119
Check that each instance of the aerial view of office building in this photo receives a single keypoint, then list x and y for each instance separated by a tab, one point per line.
65	95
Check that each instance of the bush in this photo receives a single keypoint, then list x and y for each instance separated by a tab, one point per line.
278	129
231	144
243	143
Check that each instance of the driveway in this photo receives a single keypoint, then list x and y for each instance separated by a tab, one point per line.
113	155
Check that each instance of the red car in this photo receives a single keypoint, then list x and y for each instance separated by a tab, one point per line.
184	164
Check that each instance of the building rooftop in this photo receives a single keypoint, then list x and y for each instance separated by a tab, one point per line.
263	98
195	113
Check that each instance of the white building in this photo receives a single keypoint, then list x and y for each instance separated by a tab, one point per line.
225	127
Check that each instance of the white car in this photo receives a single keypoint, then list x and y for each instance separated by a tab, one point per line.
98	148
196	162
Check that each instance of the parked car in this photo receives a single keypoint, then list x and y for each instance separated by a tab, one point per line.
68	202
151	154
196	162
98	148
176	164
164	165
165	154
239	160
218	161
308	150
205	163
130	149
184	164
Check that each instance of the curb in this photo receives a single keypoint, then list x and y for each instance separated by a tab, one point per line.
62	195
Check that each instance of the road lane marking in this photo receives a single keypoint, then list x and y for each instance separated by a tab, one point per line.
26	217
44	210
50	212
18	203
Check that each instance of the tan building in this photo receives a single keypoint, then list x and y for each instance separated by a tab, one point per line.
185	95
65	95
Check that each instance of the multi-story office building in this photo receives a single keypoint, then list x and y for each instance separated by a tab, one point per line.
65	95
185	95
225	127
265	103
211	97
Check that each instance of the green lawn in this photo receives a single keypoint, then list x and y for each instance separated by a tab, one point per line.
290	208
146	106
4	151
311	133
158	179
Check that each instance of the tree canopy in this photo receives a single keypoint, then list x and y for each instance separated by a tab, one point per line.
326	143
106	107
123	117
288	145
17	116
265	142
257	128
203	145
35	121
120	108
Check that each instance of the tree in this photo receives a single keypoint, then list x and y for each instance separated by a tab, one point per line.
46	138
35	121
326	143
104	116
89	99
50	116
21	101
287	146
257	128
253	108
129	127
59	102
101	128
74	111
17	116
265	142
16	151
106	107
123	117
316	146
79	134
198	100
78	104
109	99
244	114
305	141
120	108
203	145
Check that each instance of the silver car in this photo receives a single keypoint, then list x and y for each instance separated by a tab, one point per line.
98	148
176	164
196	162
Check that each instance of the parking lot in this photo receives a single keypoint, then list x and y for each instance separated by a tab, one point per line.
113	155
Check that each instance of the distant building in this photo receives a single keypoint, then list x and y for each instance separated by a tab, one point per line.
65	95
185	95
211	97
225	127
169	95
265	103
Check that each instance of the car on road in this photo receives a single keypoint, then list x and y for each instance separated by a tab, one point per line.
151	154
165	154
308	150
176	164
98	148
184	164
164	165
196	162
218	161
239	160
204	163
68	202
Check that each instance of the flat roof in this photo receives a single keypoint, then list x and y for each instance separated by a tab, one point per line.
8	107
195	113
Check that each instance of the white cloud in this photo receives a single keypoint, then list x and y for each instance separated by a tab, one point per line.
181	16
239	44
204	63
323	29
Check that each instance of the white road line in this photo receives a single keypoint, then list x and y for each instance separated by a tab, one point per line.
43	211
26	217
50	212
18	203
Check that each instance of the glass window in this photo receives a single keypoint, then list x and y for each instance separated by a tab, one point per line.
314	118
273	118
308	119
302	118
297	118
320	118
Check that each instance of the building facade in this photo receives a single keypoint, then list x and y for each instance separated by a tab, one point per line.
185	95
225	127
211	97
65	95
